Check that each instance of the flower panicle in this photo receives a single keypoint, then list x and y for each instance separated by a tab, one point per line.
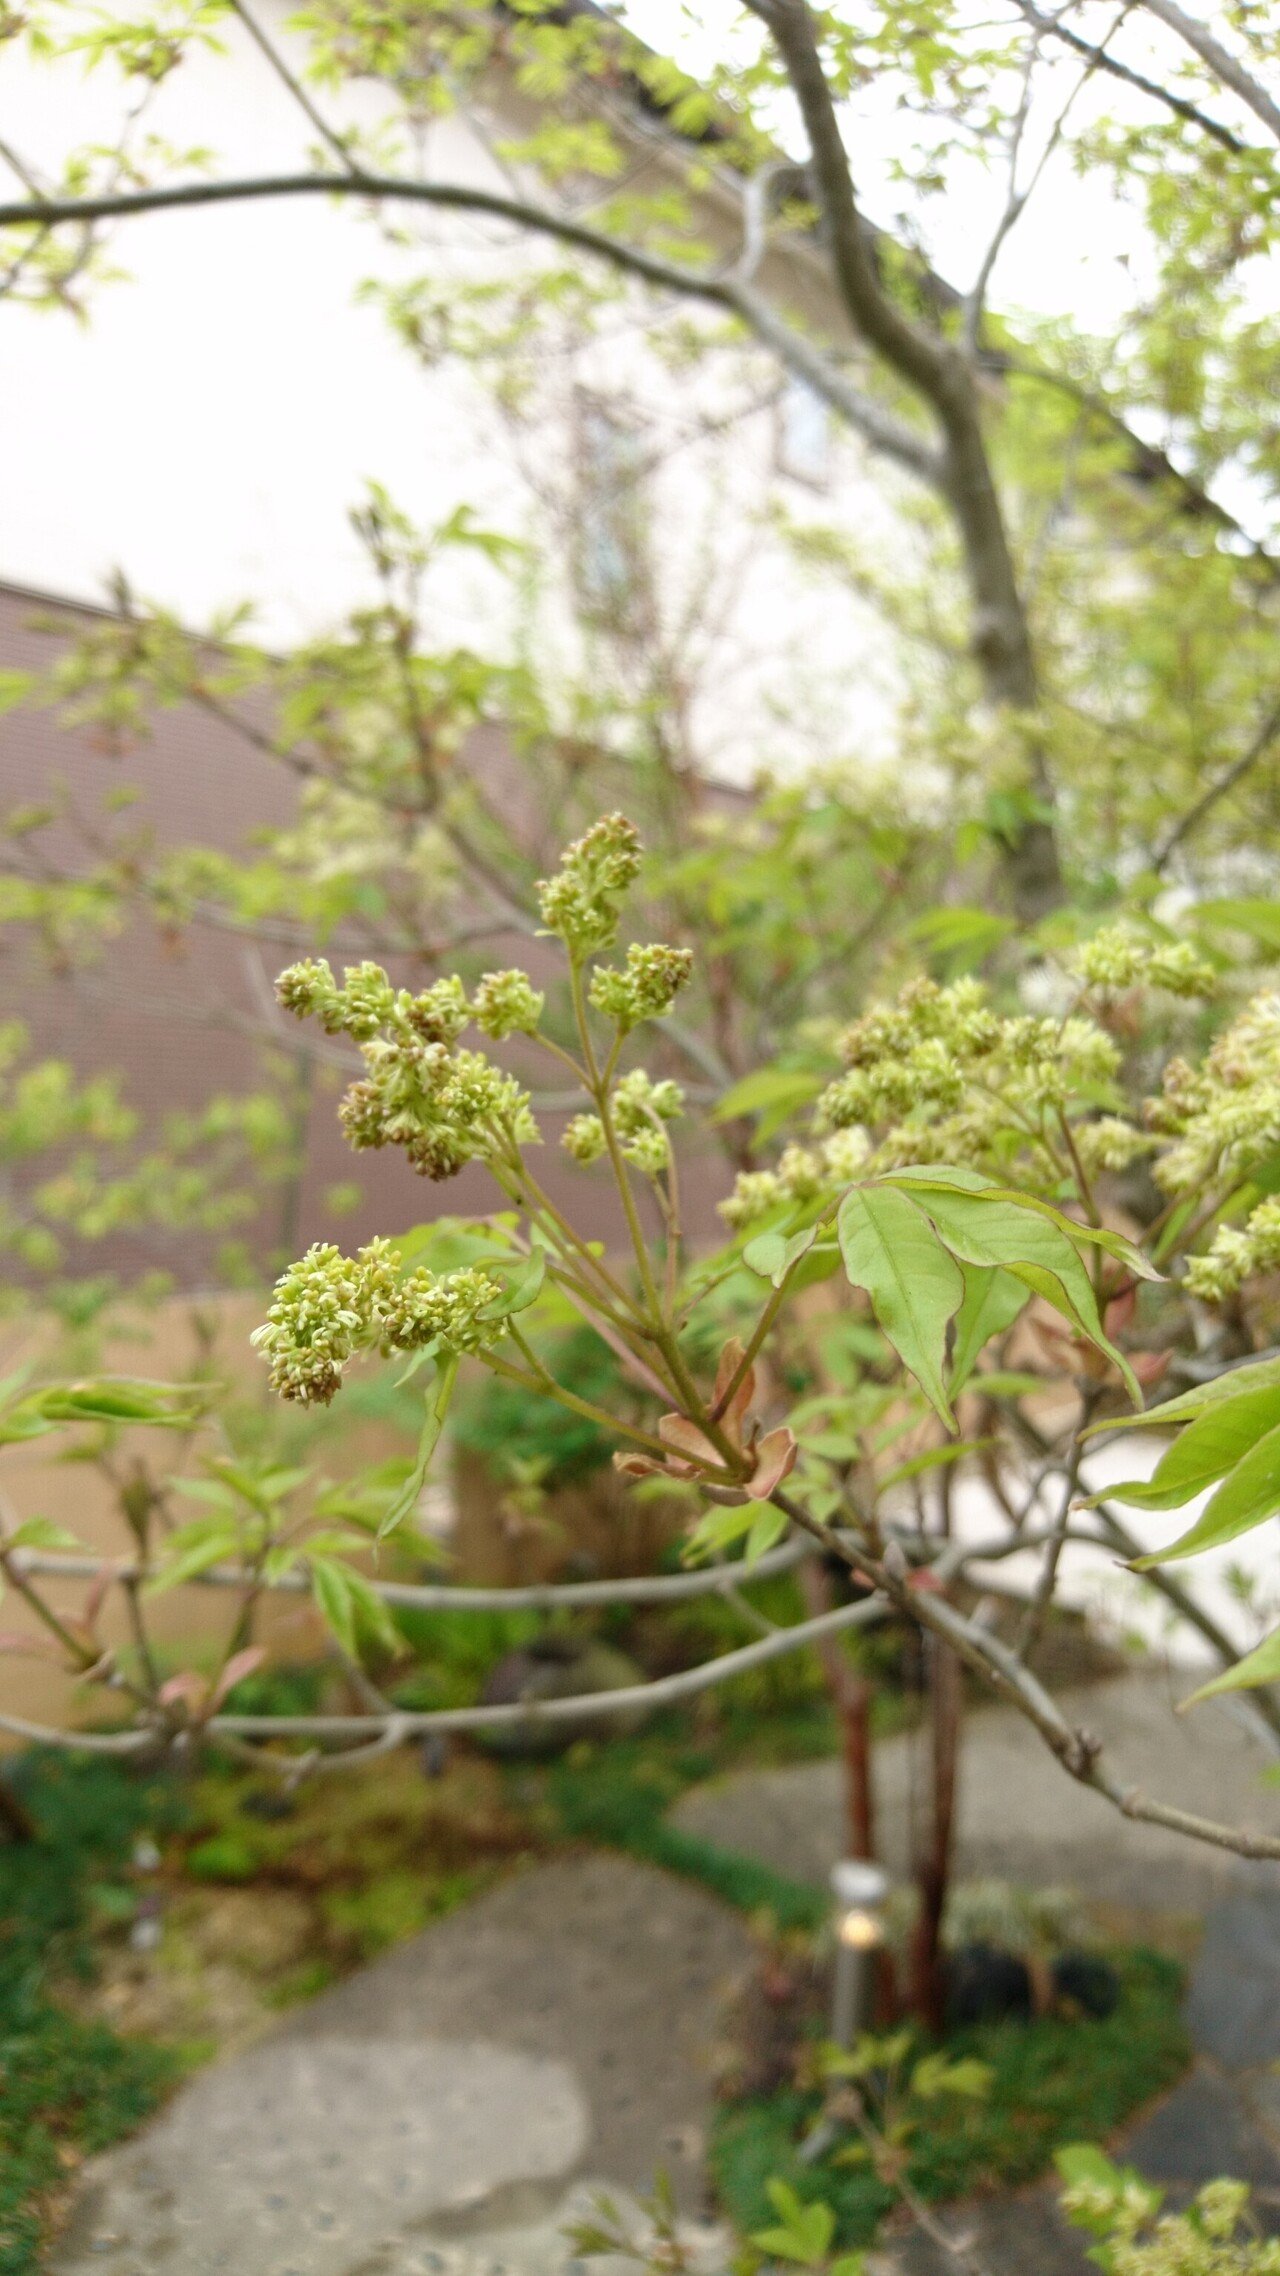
328	1307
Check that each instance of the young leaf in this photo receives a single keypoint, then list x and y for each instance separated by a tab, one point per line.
915	1287
990	1228
1229	1385
40	1533
1261	1665
520	1292
1205	1451
992	1302
1248	1497
331	1588
769	1526
936	1458
774	1093
193	1548
437	1409
773	1254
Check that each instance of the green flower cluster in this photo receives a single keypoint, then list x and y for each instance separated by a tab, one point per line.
444	1107
507	1003
938	1076
1222	1117
639	1107
1212	2237
648	987
804	1174
1237	1252
368	1001
1117	958
328	1307
580	902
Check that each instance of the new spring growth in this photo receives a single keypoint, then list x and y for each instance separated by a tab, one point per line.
581	901
1118	958
1222	1121
639	1107
444	1107
328	1307
648	987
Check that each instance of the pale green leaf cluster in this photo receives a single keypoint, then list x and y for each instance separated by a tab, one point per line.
1214	2236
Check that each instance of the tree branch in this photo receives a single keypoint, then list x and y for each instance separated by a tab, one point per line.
1219	60
1226	781
1079	1751
1053	27
879	427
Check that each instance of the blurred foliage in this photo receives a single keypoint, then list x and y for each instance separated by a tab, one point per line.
1050	2081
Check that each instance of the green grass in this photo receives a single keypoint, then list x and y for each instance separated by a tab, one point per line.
618	1795
65	2085
1053	2081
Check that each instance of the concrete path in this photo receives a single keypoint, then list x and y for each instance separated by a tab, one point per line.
445	2111
437	2114
1222	2118
1021	1817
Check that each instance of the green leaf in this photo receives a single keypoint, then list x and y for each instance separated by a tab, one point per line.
1260	919
437	1409
331	1588
122	1402
936	1458
937	2074
992	1302
773	1254
990	1227
193	1548
41	1533
774	1093
766	1532
1004	1383
915	1287
521	1291
962	936
806	2231
1205	1451
1261	1665
1248	1497
1194	1402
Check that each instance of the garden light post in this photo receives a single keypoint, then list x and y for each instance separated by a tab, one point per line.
860	1890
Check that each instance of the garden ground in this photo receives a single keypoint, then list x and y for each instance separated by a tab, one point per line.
442	2108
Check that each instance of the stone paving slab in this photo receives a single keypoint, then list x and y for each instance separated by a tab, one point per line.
1021	1817
558	2027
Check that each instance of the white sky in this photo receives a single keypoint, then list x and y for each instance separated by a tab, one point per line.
209	427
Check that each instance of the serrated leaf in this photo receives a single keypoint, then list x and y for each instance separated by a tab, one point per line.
890	1250
1248	1497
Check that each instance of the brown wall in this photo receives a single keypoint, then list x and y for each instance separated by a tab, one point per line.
185	1019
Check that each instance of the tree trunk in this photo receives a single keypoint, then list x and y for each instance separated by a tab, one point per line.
936	1838
851	1698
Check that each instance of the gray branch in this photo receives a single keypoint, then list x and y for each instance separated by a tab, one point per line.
1225	67
879	427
